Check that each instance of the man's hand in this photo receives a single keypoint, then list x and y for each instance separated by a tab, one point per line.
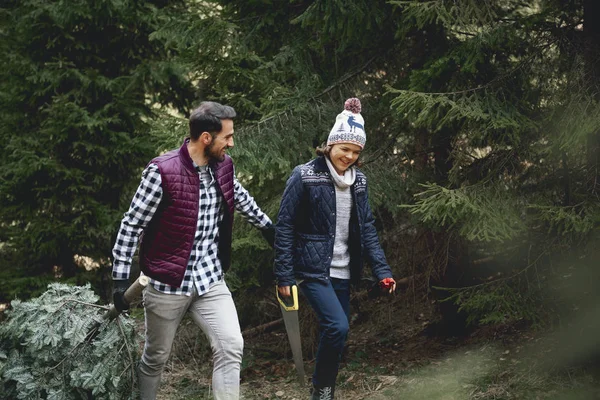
284	291
269	235
388	284
119	288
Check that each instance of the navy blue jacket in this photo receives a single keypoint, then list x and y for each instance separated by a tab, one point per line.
305	228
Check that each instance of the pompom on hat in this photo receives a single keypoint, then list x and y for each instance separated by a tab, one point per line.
349	126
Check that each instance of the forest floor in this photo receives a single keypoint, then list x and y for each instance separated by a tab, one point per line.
394	352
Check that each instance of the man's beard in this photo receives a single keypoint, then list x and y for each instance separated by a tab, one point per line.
212	154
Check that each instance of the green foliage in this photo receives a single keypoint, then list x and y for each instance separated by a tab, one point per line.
499	303
348	24
77	81
477	213
264	57
490	113
44	353
573	118
576	221
450	13
505	102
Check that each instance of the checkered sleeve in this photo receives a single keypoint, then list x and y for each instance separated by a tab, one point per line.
143	206
246	205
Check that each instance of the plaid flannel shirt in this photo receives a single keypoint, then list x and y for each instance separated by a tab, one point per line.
204	267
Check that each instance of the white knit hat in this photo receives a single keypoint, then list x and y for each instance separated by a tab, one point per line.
349	126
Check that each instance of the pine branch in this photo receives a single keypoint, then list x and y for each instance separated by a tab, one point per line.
572	221
476	213
485	111
449	13
314	98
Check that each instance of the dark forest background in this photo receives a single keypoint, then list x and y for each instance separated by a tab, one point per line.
482	120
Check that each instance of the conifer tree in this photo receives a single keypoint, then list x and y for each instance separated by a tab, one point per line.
511	96
77	82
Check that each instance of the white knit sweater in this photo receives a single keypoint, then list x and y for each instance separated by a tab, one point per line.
343	206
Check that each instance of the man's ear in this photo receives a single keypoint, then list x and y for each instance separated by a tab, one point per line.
206	138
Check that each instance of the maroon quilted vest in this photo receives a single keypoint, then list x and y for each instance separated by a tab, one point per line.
167	241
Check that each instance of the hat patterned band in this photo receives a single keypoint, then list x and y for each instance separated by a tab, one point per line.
347	137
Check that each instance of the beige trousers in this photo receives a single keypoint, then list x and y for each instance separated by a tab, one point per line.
214	312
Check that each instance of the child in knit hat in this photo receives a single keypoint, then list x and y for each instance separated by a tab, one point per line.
324	230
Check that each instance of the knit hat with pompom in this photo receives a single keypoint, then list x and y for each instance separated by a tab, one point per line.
349	126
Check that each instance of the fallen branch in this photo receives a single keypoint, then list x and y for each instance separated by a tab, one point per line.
262	328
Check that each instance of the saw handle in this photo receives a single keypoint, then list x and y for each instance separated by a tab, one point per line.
289	303
133	292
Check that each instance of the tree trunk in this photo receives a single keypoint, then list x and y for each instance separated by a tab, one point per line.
442	148
66	263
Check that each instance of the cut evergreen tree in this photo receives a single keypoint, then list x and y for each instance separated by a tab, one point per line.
46	353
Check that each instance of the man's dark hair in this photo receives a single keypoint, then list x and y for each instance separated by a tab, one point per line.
207	118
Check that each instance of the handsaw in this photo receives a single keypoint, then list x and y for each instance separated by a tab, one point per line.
289	308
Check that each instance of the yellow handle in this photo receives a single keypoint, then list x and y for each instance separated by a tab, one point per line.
292	301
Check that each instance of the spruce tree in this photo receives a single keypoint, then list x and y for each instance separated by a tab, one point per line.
511	96
78	80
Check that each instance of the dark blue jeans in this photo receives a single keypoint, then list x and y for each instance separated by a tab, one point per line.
331	301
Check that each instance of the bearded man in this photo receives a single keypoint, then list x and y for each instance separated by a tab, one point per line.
182	212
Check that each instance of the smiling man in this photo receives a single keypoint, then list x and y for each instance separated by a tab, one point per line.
184	208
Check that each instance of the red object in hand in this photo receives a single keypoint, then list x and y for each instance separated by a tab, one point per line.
387	283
